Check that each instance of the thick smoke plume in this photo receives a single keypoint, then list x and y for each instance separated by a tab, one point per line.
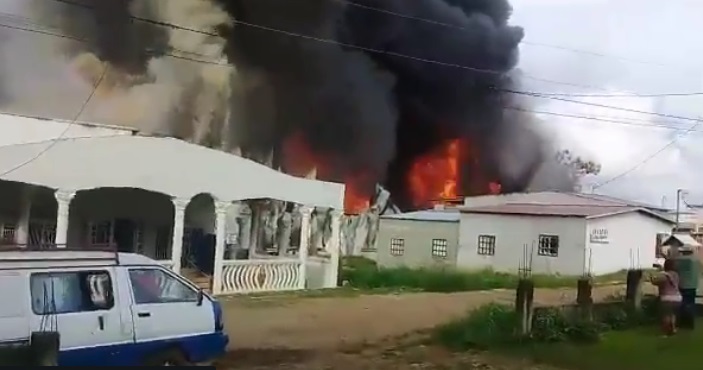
364	115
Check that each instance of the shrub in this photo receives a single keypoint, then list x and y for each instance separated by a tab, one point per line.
494	325
487	326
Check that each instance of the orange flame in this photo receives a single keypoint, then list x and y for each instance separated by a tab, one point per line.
300	160
436	176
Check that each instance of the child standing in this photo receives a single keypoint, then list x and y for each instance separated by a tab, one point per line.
669	296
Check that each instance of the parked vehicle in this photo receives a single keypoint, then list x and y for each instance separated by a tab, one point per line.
110	309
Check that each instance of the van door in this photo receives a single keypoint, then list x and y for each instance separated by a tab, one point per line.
83	307
166	311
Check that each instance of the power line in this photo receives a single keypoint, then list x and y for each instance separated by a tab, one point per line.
65	130
343	44
605	119
614	120
526	42
334	42
377	51
647	159
625	95
28	22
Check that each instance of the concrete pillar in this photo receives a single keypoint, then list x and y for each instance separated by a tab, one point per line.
63	200
306	213
22	225
179	213
333	247
221	209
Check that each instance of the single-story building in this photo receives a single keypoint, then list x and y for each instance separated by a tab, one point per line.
554	233
418	239
68	184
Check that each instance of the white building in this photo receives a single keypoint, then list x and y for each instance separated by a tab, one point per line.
567	234
563	233
87	185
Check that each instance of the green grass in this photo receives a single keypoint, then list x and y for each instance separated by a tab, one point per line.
361	273
640	349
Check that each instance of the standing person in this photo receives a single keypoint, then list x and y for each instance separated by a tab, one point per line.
689	270
669	296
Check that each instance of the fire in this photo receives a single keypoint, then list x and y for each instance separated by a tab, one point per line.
436	176
300	160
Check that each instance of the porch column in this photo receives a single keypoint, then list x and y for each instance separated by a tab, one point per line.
333	249
306	213
63	200
179	215
22	225
221	208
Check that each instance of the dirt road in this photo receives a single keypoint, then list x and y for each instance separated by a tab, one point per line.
267	332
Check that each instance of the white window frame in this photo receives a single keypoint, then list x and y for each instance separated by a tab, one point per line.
548	250
397	247
486	245
440	248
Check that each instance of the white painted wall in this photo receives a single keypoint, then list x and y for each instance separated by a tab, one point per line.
23	130
631	242
512	232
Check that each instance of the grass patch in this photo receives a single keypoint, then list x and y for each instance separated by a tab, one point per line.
635	349
362	273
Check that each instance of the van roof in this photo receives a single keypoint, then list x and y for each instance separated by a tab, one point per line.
11	259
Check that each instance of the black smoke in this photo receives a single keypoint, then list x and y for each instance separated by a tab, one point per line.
338	74
340	96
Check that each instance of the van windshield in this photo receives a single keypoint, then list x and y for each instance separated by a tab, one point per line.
157	286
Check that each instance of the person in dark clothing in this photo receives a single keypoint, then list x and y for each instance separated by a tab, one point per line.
689	270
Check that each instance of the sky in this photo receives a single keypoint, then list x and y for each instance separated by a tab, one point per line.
653	48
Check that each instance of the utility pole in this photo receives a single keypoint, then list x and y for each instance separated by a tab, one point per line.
678	208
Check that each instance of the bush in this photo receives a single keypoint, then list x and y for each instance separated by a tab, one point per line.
487	326
495	325
363	273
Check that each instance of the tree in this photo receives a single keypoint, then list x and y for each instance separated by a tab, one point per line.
579	167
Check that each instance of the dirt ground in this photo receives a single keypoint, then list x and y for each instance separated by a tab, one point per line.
367	332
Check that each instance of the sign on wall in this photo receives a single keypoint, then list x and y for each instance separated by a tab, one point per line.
599	236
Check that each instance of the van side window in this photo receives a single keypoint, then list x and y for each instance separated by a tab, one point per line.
157	286
65	292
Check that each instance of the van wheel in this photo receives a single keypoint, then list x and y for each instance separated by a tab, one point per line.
172	357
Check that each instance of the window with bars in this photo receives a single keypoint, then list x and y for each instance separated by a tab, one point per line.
397	247
8	233
548	246
101	233
487	245
440	248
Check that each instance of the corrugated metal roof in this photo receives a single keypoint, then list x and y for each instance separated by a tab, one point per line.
450	215
549	209
561	210
553	198
685	239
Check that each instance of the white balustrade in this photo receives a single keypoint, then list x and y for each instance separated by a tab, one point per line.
260	275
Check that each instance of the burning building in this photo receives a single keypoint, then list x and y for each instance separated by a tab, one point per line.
357	92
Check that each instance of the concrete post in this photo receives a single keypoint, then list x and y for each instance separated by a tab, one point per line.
63	200
221	209
179	213
22	225
332	273
306	213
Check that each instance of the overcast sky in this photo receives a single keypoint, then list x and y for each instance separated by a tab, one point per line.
655	48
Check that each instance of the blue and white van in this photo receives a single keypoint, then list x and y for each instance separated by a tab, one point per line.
110	309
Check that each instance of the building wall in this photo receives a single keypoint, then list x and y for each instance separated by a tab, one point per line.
516	235
22	130
417	237
631	241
